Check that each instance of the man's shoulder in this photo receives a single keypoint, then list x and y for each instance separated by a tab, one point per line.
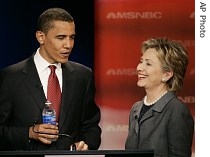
17	67
71	65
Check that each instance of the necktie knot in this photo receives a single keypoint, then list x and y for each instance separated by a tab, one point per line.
52	68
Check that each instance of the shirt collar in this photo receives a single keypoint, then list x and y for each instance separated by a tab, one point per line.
42	64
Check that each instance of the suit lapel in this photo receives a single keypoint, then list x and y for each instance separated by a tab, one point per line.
33	83
147	115
69	83
136	111
158	107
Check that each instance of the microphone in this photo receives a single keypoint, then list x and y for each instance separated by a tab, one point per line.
136	117
72	147
39	86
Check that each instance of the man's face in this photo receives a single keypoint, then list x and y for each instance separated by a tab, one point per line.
56	45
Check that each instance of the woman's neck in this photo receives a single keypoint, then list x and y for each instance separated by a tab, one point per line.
152	97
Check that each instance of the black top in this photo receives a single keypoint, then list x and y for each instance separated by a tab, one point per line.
144	109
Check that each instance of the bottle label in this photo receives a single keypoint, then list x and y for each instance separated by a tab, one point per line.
49	119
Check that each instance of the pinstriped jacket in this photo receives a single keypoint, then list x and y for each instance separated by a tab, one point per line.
167	128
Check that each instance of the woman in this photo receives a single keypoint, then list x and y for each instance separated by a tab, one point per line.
161	122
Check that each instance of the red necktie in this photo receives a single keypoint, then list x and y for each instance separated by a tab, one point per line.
54	91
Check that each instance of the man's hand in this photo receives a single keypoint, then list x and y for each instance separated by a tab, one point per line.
81	145
43	132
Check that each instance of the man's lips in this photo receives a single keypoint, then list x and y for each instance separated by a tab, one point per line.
66	54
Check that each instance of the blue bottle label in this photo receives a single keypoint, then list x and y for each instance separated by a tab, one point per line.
49	119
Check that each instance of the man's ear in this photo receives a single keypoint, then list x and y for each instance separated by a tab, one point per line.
40	37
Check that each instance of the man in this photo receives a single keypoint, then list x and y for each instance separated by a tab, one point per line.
24	91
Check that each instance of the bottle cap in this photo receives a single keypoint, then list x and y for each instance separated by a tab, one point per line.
48	103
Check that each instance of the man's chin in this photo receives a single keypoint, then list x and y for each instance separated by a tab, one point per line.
62	61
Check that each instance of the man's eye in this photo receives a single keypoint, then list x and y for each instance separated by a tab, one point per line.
72	37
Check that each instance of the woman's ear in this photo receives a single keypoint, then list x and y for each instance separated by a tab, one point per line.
168	75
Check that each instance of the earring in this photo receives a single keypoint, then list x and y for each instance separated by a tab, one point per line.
163	80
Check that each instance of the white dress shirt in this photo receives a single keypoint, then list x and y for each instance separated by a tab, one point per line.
44	71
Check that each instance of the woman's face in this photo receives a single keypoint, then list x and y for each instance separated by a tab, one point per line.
149	70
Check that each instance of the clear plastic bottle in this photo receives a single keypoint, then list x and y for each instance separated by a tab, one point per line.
48	114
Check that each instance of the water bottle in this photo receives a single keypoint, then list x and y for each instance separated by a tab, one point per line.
48	114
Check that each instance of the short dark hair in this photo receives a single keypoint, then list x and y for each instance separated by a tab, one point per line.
173	56
46	19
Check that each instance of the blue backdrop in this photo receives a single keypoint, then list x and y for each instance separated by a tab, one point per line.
18	26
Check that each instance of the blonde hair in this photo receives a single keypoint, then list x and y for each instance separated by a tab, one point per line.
173	56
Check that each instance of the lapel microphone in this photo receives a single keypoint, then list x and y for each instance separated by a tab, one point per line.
39	86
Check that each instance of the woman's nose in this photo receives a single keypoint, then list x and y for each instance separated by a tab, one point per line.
139	67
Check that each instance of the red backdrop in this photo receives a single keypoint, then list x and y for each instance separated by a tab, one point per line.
120	28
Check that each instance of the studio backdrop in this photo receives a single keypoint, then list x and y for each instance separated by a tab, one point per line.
109	36
120	28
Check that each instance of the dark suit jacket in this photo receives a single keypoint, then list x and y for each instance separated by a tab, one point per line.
167	128
22	100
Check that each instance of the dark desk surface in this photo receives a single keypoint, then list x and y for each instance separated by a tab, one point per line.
105	153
